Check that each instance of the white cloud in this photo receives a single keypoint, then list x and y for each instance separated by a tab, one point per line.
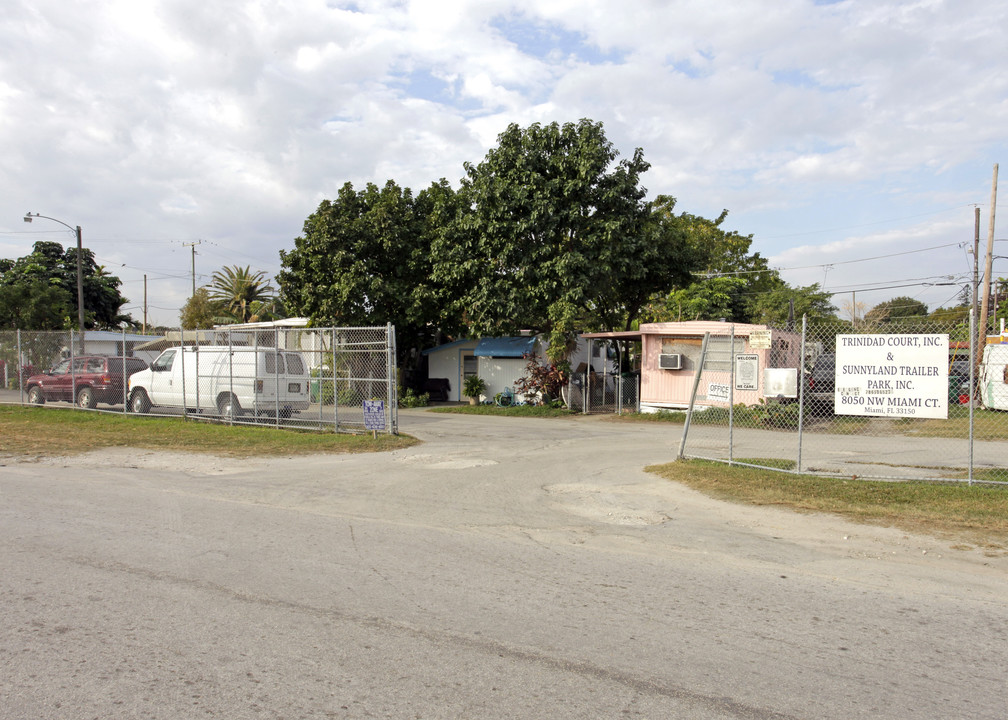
158	123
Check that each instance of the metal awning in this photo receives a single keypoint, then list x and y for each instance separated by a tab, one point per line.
632	335
174	338
506	347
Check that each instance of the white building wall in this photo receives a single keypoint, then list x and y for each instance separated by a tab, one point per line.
500	373
447	363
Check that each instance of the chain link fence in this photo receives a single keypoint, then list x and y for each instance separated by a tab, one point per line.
343	379
894	401
602	392
597	383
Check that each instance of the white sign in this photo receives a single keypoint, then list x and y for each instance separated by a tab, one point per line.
892	375
718	392
746	372
759	339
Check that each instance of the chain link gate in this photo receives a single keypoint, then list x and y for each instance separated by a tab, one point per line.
306	378
602	387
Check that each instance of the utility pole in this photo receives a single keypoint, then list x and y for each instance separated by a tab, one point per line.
193	246
145	305
985	305
80	287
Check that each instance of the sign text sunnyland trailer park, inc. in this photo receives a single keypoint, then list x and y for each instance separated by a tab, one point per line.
892	375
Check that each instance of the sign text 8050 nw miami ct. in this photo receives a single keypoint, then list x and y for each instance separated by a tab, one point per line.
892	375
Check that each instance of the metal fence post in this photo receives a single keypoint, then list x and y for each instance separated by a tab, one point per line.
392	417
181	359
125	378
973	394
276	366
731	396
19	363
73	371
692	400
801	390
336	394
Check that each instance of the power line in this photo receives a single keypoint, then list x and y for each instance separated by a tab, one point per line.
871	224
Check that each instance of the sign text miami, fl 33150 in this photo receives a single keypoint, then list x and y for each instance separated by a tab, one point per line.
892	375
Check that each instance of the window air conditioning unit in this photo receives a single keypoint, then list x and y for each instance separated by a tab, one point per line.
671	361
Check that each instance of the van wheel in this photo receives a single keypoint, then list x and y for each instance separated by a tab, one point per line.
86	399
227	406
139	402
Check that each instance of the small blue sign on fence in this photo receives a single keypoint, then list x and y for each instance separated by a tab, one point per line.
374	414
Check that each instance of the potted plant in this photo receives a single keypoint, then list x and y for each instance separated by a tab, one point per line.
473	387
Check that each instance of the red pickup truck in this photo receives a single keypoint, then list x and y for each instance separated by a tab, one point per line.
86	380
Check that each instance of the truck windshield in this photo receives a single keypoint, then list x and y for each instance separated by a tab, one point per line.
164	361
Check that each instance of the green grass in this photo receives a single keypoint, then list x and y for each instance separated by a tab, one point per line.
978	514
515	411
987	424
33	432
779	463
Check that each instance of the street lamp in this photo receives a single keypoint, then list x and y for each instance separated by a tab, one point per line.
80	277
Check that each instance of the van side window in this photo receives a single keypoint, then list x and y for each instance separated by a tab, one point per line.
294	365
271	363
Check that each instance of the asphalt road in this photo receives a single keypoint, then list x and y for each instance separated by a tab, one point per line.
506	568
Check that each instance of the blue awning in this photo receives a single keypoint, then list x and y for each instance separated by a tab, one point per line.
506	347
445	346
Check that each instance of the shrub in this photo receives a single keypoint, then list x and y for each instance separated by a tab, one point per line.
473	386
409	400
542	381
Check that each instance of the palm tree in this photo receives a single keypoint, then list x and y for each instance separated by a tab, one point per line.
238	288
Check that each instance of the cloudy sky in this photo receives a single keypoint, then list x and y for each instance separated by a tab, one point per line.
852	139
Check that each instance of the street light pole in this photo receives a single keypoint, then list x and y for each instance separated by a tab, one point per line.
80	274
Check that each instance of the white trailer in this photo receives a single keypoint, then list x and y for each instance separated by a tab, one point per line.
994	377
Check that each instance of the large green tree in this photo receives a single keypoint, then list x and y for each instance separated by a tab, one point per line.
201	312
34	305
556	235
781	303
364	259
896	310
48	276
708	299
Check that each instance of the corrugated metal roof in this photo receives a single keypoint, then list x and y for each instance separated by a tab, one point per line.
115	336
698	328
507	347
445	346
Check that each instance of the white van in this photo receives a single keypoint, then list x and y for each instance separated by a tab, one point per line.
226	380
994	377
